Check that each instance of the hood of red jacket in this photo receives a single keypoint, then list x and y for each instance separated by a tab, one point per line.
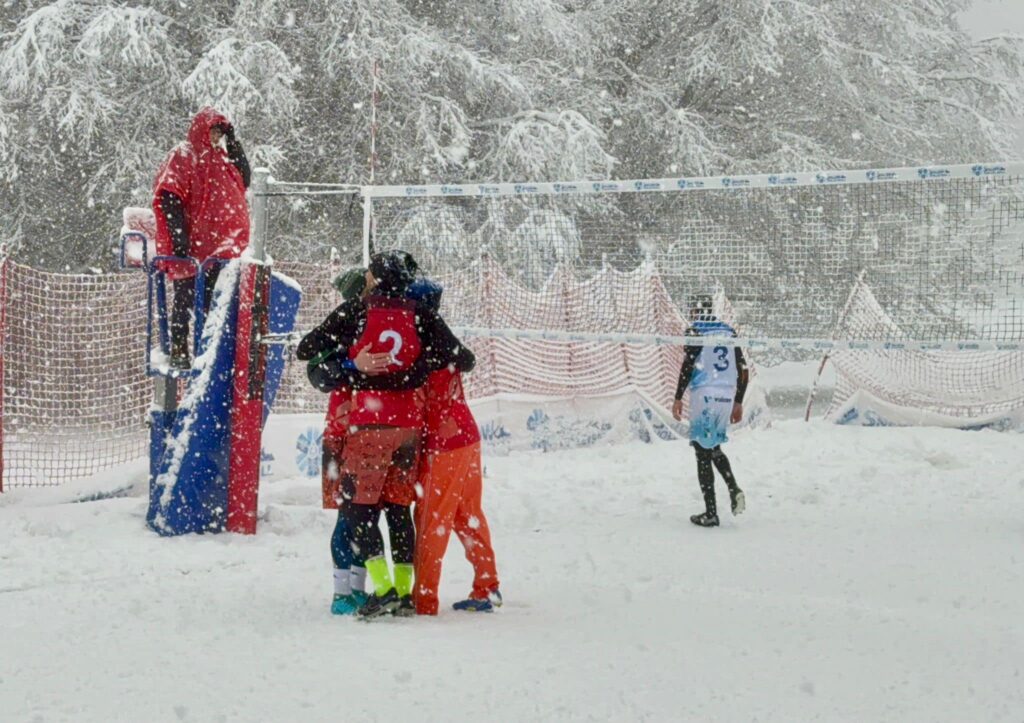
199	131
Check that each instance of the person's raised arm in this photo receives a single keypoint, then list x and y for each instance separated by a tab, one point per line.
237	155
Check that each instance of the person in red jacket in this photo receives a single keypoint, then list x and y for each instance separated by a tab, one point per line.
451	481
201	212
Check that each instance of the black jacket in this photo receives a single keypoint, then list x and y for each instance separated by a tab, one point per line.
343	327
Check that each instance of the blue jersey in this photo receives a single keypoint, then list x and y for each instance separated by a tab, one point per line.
716	366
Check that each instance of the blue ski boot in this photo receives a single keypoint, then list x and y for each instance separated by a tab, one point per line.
344	605
348	604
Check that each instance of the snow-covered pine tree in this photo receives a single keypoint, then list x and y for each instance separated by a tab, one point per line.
93	94
752	85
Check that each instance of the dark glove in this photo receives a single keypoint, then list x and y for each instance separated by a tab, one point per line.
328	370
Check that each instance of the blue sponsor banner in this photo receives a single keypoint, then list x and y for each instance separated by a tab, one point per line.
883	175
656	185
928	173
980	170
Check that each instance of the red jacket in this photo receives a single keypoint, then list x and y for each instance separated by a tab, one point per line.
390	327
449	422
338	408
212	193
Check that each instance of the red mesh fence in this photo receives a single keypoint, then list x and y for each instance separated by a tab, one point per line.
74	392
484	296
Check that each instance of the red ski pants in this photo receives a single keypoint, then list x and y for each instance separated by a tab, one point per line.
452	484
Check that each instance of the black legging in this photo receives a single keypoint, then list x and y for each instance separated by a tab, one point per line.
184	301
706	477
367	540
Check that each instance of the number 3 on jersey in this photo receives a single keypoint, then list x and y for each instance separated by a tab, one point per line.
722	358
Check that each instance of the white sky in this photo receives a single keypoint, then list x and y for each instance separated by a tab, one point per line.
991	17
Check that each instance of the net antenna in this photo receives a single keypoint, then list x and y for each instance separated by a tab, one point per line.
368	220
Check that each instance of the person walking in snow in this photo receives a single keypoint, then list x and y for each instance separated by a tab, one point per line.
201	212
717	378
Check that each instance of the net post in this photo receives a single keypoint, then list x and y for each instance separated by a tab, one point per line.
161	420
367	224
260	184
3	350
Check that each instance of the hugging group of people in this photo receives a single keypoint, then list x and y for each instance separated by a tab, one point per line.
399	437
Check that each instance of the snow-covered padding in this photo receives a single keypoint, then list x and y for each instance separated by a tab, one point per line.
136	249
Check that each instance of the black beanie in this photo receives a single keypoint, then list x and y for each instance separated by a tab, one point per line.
394	271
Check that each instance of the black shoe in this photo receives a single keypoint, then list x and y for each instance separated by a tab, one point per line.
739	501
705	519
378	605
405	607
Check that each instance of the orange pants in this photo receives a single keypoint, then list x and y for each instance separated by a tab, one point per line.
452	489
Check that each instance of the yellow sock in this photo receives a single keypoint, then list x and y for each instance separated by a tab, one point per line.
403	578
377	571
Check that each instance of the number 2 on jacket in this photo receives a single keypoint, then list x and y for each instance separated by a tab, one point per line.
396	339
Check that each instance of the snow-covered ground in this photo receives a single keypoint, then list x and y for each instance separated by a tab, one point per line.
878	574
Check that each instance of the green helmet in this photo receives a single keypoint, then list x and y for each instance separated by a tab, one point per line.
351	283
